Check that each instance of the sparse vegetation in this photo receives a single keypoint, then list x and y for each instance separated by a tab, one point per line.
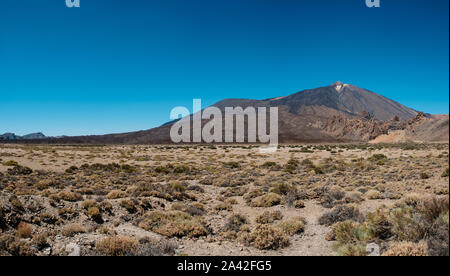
224	198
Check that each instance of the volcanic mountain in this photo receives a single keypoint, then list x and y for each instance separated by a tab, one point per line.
336	113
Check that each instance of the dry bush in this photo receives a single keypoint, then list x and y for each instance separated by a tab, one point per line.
407	249
373	194
267	200
269	217
150	247
10	245
340	213
129	205
173	224
73	229
352	250
116	194
299	204
266	237
95	214
353	197
68	196
195	209
433	207
40	240
117	246
235	222
24	230
378	224
413	200
438	236
332	197
350	232
89	204
283	189
253	194
445	173
222	206
408	225
293	226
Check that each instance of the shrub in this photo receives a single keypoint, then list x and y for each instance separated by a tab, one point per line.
10	163
318	170
72	169
269	164
291	166
40	241
445	173
129	205
235	222
24	230
377	157
424	175
253	194
349	231
269	217
116	194
266	237
332	197
353	197
173	224
283	189
407	249
69	196
117	246
181	169
222	206
373	194
308	163
378	224
354	250
195	209
95	214
232	165
438	236
177	187
299	204
19	170
268	200
293	226
340	213
407	225
73	230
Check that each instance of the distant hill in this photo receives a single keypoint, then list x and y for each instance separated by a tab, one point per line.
335	113
13	137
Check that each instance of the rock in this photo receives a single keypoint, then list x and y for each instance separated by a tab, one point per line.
372	249
73	250
47	251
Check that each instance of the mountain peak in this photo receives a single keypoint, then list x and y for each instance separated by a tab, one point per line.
337	83
339	86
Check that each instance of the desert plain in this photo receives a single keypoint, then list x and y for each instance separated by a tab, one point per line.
226	200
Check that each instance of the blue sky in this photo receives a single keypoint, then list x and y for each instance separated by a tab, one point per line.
122	65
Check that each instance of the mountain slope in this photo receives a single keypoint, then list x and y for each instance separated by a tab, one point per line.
336	113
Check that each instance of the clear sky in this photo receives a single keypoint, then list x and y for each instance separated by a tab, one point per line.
122	65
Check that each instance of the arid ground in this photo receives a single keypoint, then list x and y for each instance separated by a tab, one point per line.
224	200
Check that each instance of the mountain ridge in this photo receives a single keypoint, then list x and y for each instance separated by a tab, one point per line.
336	113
